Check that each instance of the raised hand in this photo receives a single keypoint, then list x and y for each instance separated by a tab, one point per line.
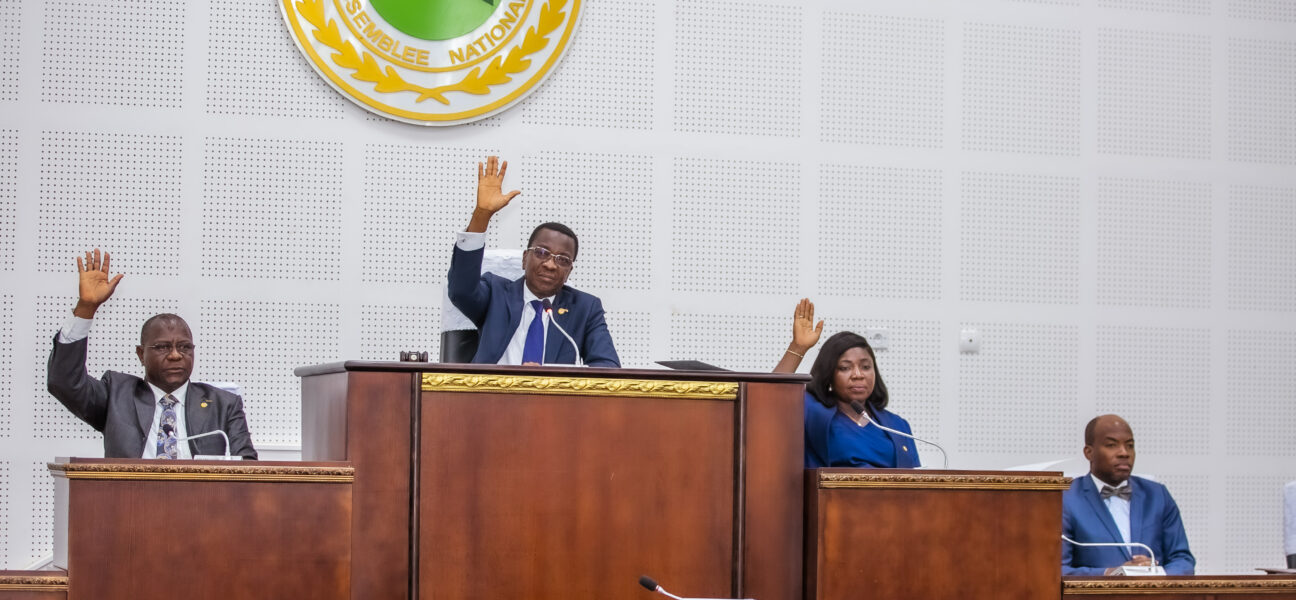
490	195
95	286
805	334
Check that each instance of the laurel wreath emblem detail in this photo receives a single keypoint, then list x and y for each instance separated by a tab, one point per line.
387	80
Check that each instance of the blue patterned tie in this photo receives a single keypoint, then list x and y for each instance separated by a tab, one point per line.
167	446
533	351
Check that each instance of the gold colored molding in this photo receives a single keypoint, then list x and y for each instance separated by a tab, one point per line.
33	583
188	472
1205	585
946	481
580	386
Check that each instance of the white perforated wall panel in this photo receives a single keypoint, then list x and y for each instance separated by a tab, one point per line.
1104	189
1021	89
1020	238
607	200
1154	243
1021	386
1154	93
738	68
1254	527
1261	248
607	76
889	222
128	52
888	92
1142	370
1262	116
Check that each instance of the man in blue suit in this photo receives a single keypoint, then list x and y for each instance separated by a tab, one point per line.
514	326
1109	505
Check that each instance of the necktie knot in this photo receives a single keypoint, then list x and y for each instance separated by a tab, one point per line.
1122	492
169	401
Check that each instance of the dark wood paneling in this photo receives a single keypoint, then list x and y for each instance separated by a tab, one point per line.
574	497
378	444
774	475
130	539
925	543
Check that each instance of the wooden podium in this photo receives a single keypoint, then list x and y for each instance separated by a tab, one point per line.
486	482
130	529
1199	587
904	533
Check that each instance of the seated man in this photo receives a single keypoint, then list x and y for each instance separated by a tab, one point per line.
142	418
514	328
1109	505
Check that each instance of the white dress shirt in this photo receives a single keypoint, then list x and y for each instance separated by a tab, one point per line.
1117	506
77	329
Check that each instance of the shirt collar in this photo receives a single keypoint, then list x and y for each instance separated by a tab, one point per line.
180	393
1098	483
527	296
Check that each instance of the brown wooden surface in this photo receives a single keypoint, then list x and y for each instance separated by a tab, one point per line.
33	585
365	418
1199	587
929	540
558	496
221	538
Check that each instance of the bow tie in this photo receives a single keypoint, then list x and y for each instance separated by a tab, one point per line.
1122	492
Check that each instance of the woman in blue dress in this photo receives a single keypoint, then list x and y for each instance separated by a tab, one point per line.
844	387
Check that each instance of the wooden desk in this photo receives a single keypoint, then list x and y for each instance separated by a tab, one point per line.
479	481
268	530
1197	587
33	585
904	533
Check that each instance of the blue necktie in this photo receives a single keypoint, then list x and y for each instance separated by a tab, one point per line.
533	351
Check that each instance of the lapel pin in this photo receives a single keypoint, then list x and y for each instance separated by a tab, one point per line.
204	405
562	311
905	448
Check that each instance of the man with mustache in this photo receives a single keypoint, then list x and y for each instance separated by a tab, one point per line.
1110	505
142	418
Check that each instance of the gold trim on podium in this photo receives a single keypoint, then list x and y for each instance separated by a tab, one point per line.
1256	585
580	386
191	472
945	481
33	583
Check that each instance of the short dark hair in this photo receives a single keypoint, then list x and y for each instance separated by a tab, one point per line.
825	366
560	228
161	318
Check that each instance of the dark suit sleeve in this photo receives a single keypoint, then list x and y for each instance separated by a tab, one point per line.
68	381
1178	559
467	290
598	350
236	428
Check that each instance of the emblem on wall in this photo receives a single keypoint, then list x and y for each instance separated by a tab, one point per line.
433	62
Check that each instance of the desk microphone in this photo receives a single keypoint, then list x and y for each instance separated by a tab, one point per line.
651	585
548	308
1155	569
859	408
169	430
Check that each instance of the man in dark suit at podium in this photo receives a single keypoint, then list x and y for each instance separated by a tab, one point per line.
514	327
142	418
1109	505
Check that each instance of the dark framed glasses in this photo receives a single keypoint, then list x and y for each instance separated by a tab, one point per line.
541	254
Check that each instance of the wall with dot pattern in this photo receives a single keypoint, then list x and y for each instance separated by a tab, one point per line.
1103	190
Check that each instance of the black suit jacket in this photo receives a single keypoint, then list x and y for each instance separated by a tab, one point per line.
121	406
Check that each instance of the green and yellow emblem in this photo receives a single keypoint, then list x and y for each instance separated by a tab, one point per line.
433	62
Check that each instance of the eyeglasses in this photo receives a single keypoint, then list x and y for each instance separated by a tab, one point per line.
184	348
541	254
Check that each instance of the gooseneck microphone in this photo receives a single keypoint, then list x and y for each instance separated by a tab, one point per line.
651	585
863	411
169	430
548	308
1155	569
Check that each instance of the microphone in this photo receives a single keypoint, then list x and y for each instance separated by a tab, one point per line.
651	585
859	408
169	430
548	308
1155	569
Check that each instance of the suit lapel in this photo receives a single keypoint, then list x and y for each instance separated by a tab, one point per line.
513	308
1137	498
554	339
145	406
1095	502
904	460
200	414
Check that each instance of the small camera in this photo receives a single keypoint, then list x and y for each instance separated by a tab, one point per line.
413	356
